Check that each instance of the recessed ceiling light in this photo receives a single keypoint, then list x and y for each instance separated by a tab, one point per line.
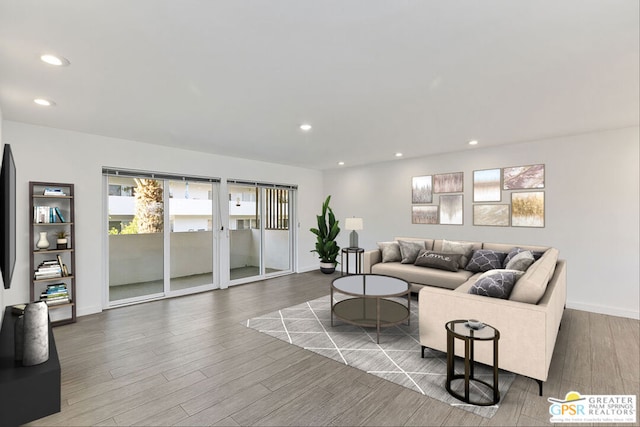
305	127
55	60
340	163
44	102
473	142
398	154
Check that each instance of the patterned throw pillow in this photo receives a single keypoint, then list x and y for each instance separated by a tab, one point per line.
515	251
390	251
461	248
485	260
521	262
438	260
410	250
499	284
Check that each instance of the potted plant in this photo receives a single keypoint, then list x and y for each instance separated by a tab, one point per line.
61	239
326	233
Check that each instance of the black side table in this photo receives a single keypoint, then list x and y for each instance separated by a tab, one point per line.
359	253
458	329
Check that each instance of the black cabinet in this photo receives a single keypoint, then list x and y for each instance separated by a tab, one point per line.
27	393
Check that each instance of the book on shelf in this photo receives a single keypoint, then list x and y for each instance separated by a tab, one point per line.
59	214
53	191
47	215
60	301
48	270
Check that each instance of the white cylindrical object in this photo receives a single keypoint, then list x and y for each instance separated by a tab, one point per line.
36	334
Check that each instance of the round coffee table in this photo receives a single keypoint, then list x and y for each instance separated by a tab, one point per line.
371	305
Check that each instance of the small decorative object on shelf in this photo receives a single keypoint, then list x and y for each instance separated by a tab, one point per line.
61	239
52	282
43	243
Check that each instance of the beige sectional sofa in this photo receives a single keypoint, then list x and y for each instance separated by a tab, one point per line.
528	321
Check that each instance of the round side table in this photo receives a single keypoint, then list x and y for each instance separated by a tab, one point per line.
359	255
458	329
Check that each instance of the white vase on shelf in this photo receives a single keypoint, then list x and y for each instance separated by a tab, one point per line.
43	243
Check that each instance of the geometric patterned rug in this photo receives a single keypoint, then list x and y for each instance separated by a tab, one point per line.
397	358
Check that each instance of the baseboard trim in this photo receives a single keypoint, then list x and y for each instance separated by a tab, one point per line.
611	311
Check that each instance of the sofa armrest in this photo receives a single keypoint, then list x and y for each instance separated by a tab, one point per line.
371	257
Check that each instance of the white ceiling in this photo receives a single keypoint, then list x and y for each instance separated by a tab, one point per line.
373	77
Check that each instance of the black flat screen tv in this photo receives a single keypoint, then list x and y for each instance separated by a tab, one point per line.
7	216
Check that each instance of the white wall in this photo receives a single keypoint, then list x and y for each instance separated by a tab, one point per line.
47	154
592	208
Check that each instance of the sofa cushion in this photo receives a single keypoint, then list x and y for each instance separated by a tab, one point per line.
485	260
521	261
496	284
410	250
422	275
463	248
438	260
390	251
532	285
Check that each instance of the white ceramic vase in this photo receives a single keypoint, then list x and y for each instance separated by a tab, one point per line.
43	243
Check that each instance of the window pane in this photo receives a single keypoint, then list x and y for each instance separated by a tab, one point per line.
191	239
136	223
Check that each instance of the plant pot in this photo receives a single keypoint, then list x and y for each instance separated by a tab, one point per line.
61	243
327	267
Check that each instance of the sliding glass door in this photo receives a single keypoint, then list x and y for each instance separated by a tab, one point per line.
136	238
191	240
260	237
161	238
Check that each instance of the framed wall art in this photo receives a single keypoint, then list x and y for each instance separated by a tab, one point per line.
491	215
527	209
448	182
424	214
523	177
451	209
422	189
486	185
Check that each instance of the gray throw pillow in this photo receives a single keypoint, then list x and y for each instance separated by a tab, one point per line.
410	250
439	260
464	249
499	284
390	251
485	260
521	262
515	251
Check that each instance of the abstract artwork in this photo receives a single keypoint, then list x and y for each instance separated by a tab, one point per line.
523	177
486	186
448	182
421	189
527	209
424	214
492	215
451	209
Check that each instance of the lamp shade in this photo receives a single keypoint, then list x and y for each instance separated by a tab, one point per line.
353	224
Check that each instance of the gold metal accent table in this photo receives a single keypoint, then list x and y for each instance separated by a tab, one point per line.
458	329
371	306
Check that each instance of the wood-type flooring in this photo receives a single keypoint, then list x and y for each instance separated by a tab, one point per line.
191	361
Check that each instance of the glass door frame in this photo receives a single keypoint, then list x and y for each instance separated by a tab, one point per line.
167	292
292	213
